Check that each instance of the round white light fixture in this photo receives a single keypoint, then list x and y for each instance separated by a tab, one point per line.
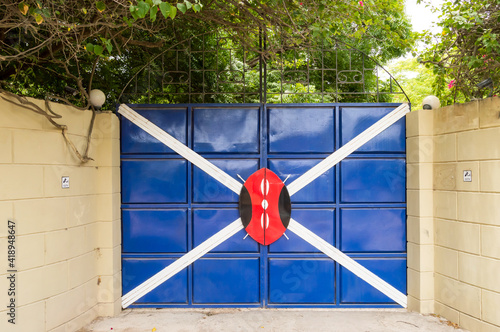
97	98
431	103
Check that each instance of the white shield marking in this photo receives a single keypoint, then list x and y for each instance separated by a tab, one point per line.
265	204
264	187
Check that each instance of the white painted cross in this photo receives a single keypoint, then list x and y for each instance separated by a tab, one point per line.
237	225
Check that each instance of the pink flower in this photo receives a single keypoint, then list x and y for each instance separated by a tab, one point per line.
361	3
451	84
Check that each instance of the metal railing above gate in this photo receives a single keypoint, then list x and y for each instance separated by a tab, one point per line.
212	68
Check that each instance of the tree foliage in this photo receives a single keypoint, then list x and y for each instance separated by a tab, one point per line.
416	79
466	52
60	47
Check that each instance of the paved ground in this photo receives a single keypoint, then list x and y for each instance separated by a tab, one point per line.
207	320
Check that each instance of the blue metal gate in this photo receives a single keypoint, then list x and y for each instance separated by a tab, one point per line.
170	206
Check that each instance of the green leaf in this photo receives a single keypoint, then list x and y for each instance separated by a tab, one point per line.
165	9
133	11
152	13
109	47
84	11
188	4
142	9
107	44
173	12
101	6
45	12
98	49
182	7
156	2
89	47
196	8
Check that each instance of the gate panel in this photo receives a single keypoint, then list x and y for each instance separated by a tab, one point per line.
354	120
301	130
138	141
321	222
370	180
148	230
373	230
302	281
355	291
170	206
173	291
233	130
150	181
207	222
208	190
226	281
321	190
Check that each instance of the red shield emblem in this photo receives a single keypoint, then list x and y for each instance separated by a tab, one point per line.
265	206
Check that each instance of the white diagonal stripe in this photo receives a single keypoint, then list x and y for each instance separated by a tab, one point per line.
347	262
181	263
180	148
347	149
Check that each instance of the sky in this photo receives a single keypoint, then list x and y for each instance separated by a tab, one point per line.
422	18
420	15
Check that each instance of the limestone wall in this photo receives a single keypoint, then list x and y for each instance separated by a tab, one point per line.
420	222
454	225
67	240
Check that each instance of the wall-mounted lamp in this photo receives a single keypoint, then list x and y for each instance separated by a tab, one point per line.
487	83
97	98
431	103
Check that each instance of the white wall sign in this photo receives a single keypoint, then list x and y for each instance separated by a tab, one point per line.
467	176
65	182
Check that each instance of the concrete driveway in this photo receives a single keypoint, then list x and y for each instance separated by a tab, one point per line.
189	320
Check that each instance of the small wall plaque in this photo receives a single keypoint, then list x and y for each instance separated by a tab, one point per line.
65	182
468	176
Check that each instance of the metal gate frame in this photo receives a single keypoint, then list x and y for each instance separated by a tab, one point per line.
195	71
293	187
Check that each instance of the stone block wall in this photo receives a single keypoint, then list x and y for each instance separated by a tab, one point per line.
459	226
420	235
67	240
